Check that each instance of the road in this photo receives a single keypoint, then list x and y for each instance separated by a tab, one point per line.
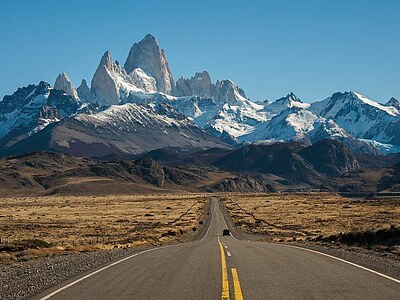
222	267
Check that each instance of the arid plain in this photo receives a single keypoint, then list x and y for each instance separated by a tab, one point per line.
33	227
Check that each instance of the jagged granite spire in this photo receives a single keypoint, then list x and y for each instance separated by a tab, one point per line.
63	83
199	85
111	84
103	86
148	56
84	92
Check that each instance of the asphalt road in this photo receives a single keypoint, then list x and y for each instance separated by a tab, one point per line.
222	267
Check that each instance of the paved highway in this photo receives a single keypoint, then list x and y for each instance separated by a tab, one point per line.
222	267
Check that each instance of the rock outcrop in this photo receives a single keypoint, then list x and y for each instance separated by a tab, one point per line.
331	157
239	184
393	102
84	92
148	56
226	91
199	85
104	85
63	83
223	91
111	84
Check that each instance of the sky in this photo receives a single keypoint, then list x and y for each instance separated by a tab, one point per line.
268	48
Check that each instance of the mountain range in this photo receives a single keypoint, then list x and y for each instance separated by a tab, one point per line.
139	107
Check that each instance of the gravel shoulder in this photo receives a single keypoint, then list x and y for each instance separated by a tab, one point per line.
25	279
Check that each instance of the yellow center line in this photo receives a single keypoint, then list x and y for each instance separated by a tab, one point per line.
236	285
225	283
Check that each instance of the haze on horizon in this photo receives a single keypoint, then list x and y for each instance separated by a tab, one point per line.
268	48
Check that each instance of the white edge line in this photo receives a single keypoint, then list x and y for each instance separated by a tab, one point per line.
100	270
334	257
209	226
345	261
113	264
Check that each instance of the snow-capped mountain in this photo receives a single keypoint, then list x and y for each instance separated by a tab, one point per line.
293	123
139	106
283	103
239	120
119	130
31	109
359	116
393	102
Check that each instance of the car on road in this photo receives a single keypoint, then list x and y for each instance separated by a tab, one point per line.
226	232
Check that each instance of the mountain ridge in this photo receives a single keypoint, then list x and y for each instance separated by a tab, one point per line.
219	108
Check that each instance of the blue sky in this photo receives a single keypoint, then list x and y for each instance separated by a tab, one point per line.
269	48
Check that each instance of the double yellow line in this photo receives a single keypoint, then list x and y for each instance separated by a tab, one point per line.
225	281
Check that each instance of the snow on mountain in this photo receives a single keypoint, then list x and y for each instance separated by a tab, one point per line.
123	116
383	148
149	57
143	81
144	93
226	91
283	103
111	84
358	115
119	130
238	120
300	124
327	129
31	109
245	119
293	123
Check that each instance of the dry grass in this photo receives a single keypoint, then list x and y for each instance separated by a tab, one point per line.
288	217
81	223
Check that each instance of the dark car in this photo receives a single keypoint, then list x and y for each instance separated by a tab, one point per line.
226	232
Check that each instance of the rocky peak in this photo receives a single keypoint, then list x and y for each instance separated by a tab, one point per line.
198	85
148	56
150	39
84	92
111	84
63	83
338	95
281	104
42	88
22	96
289	98
227	91
393	102
106	60
354	100
104	86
